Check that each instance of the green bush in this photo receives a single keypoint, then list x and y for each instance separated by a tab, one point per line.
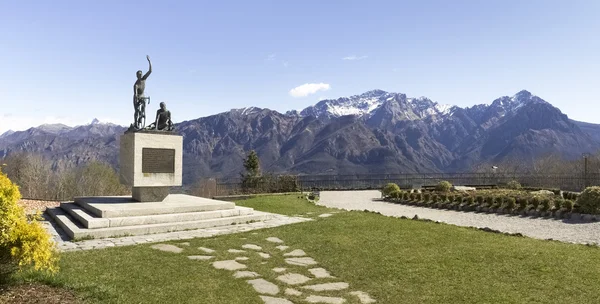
24	242
480	199
545	204
412	196
510	203
396	194
419	197
470	200
558	204
523	203
435	198
568	205
443	186
451	198
389	188
513	184
589	200
535	202
443	197
426	197
405	196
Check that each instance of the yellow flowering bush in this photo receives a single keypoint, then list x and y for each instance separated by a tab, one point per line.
23	242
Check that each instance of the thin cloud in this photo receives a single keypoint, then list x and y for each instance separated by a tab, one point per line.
308	89
271	57
285	64
354	57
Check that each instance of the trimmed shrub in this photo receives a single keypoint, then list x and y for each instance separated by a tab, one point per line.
523	203
470	200
535	202
443	198
568	205
513	184
389	188
558	203
412	196
589	200
24	243
443	186
396	194
419	197
451	198
545	204
426	197
511	203
405	196
435	198
480	199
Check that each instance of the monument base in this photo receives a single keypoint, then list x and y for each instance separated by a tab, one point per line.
149	194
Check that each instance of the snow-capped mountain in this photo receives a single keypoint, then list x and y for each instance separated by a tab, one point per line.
368	103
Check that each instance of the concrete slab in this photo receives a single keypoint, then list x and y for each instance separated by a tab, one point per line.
123	206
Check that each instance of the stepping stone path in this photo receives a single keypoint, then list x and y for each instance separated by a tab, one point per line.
207	250
184	244
306	261
269	291
200	257
252	246
326	215
292	292
327	300
293	279
228	265
274	240
363	297
235	251
295	253
167	248
263	286
320	273
271	300
327	286
245	274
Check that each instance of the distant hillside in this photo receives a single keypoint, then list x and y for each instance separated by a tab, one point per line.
375	132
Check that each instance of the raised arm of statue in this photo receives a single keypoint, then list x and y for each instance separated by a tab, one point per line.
149	68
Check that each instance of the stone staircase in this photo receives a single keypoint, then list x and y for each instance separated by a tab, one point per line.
114	216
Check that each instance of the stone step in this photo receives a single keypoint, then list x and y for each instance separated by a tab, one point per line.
75	230
90	221
122	206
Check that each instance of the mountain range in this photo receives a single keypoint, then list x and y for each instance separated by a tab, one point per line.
374	132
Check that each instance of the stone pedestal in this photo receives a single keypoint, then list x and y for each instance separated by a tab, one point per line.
150	162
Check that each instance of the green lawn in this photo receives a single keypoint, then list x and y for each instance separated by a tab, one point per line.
394	260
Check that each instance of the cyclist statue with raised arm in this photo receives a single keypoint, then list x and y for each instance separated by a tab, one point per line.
139	100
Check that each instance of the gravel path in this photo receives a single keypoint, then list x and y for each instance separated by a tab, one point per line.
539	228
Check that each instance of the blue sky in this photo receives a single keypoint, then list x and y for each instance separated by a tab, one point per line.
72	61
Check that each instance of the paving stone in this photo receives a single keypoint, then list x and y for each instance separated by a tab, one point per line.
241	258
295	253
305	261
279	270
273	239
326	300
325	215
167	248
245	274
282	248
271	300
228	265
110	245
235	251
292	292
363	297
327	286
320	273
264	287
293	278
200	257
251	246
264	255
207	250
182	244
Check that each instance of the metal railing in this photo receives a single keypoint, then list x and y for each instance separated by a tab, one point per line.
567	182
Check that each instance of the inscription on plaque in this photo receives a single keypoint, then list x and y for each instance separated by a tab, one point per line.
155	160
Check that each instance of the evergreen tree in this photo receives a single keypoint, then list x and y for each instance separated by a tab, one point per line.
252	164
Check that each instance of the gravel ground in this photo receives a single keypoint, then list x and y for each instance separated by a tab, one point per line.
31	206
539	228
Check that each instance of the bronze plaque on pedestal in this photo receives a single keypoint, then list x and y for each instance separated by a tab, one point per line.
155	160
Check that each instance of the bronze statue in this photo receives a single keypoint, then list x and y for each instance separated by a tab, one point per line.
139	100
163	120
